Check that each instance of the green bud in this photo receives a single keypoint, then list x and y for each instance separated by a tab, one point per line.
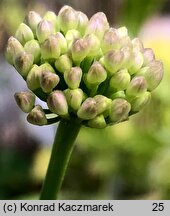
153	74
71	36
23	62
25	101
33	48
98	24
102	103
24	33
82	22
32	20
13	48
37	116
33	78
120	80
62	42
138	103
122	32
47	67
137	62
97	122
63	63
51	16
48	81
137	86
118	94
119	111
88	109
110	41
67	18
74	98
94	45
44	30
79	50
57	103
113	61
50	49
73	77
148	56
128	56
96	74
137	45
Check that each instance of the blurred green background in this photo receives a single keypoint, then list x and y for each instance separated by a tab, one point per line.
128	161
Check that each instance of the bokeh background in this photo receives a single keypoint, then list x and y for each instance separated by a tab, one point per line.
128	161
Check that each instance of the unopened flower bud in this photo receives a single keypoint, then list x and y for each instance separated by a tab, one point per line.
96	74
137	45
71	36
57	103
67	18
137	62
119	111
24	33
23	63
118	94
98	24
47	67
148	56
33	48
50	49
37	116
25	100
13	48
73	77
113	61
94	45
62	42
153	74
63	63
74	98
102	103
138	103
33	78
32	20
79	50
120	80
44	30
82	22
51	16
97	122
48	81
122	32
110	41
88	109
137	86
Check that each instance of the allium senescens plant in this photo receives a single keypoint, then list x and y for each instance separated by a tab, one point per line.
87	72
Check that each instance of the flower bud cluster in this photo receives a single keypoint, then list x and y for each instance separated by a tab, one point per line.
82	68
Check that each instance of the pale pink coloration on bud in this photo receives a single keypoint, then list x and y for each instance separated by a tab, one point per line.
37	116
44	30
32	20
148	56
88	109
57	103
137	86
73	77
25	100
98	24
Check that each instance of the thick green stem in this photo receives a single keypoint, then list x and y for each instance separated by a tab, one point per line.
62	148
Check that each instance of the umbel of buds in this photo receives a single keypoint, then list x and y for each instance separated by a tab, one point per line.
82	68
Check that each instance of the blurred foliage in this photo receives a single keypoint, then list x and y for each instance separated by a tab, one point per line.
127	161
134	13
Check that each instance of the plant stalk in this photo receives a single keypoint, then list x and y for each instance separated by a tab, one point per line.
66	134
